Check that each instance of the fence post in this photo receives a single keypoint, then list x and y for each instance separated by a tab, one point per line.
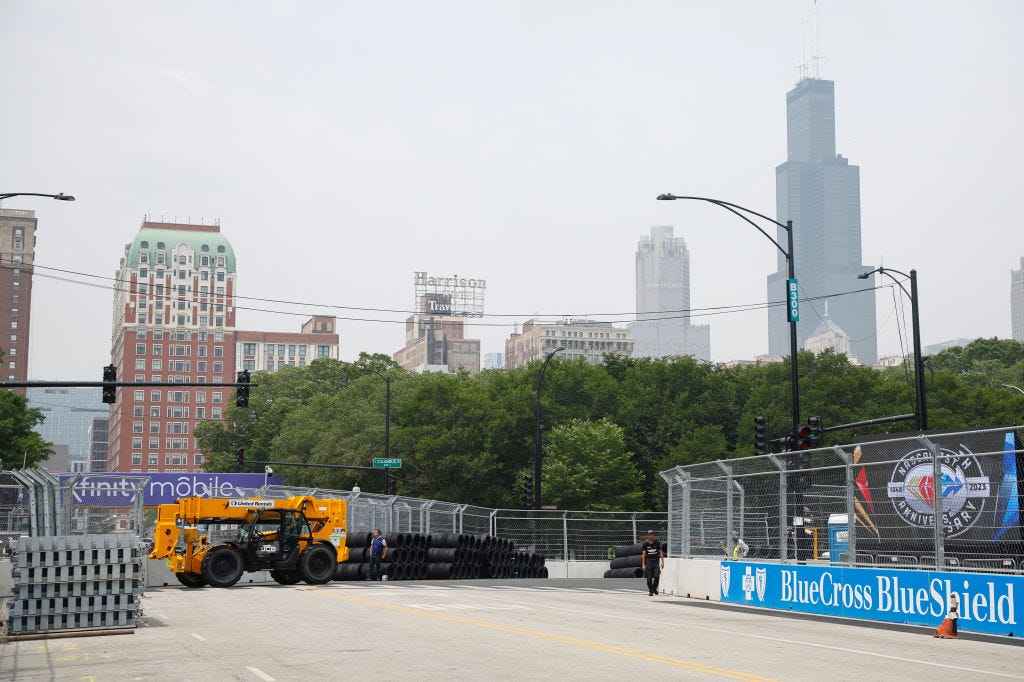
492	523
685	518
565	535
783	520
635	536
938	529
728	501
851	511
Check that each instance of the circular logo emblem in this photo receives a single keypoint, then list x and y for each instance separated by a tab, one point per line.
962	489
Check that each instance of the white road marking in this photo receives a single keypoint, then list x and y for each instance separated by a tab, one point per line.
259	673
197	636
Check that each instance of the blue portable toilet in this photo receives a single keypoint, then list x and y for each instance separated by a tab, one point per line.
838	536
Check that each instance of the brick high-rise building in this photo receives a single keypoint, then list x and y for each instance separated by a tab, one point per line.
271	351
17	253
174	321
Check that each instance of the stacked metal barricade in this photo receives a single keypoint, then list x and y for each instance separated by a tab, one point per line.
66	583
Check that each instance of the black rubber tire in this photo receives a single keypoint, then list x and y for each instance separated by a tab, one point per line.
223	566
190	579
285	577
318	564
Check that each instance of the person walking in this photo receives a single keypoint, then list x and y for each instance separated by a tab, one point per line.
378	550
652	560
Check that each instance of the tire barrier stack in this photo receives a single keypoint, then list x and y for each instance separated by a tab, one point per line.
626	563
441	556
77	582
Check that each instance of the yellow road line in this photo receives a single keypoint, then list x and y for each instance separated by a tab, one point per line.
561	639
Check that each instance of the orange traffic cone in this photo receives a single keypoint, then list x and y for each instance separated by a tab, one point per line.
947	630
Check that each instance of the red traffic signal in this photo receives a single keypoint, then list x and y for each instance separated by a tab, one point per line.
803	441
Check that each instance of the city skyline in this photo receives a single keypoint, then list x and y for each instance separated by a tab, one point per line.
346	148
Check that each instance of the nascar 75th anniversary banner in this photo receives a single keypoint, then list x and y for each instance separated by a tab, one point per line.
989	603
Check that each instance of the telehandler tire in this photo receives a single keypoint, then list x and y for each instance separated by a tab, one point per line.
223	566
190	579
318	564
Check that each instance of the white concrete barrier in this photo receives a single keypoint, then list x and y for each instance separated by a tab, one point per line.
693	578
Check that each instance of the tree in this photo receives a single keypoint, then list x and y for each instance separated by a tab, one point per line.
586	467
20	446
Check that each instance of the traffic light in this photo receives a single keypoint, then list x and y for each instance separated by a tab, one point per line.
109	389
761	435
817	435
240	458
242	394
527	491
803	438
393	486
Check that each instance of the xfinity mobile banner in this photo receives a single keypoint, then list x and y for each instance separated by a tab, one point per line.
114	489
988	603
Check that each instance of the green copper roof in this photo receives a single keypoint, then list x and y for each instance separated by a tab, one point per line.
150	239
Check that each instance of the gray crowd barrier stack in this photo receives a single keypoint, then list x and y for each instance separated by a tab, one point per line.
64	583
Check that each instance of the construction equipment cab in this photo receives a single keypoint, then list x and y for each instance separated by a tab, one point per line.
212	541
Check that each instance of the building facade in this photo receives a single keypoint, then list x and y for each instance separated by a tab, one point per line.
174	321
99	433
581	338
270	351
437	343
494	361
1017	302
69	414
662	326
820	192
17	254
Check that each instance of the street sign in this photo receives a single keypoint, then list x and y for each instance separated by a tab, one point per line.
387	463
794	300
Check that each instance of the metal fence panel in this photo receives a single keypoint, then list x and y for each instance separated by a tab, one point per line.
943	500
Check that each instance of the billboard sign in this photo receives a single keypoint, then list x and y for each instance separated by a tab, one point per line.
979	488
454	295
988	602
115	489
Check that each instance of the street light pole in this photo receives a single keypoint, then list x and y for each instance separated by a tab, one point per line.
537	452
920	406
1016	388
387	419
742	212
58	197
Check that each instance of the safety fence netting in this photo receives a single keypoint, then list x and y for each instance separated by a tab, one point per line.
946	500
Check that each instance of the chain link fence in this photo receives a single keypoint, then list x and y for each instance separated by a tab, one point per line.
558	535
944	500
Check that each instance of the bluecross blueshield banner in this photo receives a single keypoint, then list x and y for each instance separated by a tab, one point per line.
988	602
113	490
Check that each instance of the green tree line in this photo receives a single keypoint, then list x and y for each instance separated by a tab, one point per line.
608	429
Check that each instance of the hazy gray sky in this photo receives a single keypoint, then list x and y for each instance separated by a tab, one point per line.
345	145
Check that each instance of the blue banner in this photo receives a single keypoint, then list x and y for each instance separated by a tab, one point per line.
988	602
114	489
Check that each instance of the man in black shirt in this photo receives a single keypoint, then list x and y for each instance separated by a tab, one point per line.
652	560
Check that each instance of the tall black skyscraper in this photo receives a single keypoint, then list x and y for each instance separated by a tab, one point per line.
820	192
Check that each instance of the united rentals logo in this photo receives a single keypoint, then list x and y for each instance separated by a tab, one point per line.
962	488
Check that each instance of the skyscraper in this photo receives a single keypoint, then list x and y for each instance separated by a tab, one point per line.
174	321
820	192
17	251
1017	302
662	326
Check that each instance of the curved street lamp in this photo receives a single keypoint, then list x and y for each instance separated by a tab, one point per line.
58	197
791	292
537	452
920	409
1016	388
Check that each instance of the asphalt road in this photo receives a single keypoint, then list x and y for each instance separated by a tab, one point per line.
490	630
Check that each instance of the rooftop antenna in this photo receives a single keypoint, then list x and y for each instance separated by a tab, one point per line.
816	58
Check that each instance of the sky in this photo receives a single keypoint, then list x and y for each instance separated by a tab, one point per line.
343	146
